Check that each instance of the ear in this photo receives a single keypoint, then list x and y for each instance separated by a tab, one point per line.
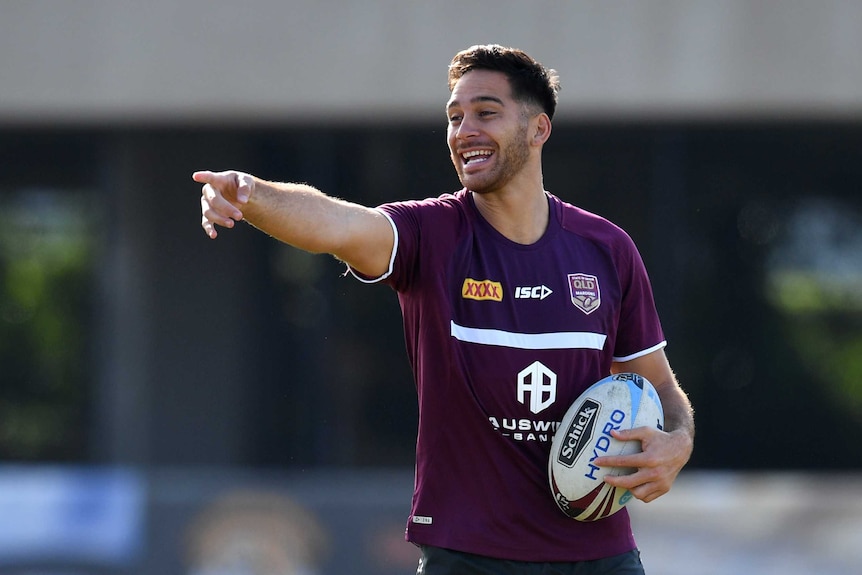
540	129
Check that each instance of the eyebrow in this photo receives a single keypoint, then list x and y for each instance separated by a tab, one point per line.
476	100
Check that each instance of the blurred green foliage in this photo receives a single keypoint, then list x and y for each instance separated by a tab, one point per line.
47	248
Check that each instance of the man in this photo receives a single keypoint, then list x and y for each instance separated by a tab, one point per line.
499	344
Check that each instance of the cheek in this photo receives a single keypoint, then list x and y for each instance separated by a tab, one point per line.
450	140
450	137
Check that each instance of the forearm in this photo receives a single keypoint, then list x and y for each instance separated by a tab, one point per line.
306	218
297	214
678	413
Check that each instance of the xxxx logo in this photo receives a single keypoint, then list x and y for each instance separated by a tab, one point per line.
482	290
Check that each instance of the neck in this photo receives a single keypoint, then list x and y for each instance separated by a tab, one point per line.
520	216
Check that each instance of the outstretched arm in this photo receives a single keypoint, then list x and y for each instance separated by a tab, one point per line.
299	215
665	452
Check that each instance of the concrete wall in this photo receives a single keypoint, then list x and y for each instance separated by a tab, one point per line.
266	60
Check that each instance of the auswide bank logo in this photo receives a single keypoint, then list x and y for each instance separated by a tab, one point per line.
539	384
537	389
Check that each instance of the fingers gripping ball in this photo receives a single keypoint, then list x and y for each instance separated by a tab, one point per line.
621	401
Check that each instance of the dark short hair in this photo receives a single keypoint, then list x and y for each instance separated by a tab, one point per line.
531	82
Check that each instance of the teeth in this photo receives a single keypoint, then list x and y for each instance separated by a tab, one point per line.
475	154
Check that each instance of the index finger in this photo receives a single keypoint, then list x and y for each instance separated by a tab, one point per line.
217	178
204	176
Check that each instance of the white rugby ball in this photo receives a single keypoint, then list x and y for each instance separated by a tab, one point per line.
621	401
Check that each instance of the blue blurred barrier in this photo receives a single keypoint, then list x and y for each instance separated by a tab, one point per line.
206	521
70	516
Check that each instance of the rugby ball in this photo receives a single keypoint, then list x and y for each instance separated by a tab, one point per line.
621	401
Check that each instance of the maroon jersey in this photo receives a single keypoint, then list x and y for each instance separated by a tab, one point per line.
502	338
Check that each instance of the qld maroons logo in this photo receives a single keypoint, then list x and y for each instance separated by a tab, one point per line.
585	292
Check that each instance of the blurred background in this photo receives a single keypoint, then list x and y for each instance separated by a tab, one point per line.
174	405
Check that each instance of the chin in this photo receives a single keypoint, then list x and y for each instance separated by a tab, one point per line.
479	185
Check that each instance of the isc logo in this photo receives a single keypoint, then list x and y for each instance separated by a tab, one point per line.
536	292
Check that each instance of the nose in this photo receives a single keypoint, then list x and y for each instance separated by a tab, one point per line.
466	128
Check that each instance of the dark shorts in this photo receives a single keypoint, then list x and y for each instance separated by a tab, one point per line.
437	561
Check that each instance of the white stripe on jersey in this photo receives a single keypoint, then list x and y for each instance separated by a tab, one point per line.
558	340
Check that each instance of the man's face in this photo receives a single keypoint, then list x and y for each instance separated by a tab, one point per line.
487	131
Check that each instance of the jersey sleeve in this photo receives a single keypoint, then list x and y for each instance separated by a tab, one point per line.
640	330
406	218
422	229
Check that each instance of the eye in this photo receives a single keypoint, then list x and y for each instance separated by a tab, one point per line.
454	118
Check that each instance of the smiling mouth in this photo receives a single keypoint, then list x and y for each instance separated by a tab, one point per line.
476	157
